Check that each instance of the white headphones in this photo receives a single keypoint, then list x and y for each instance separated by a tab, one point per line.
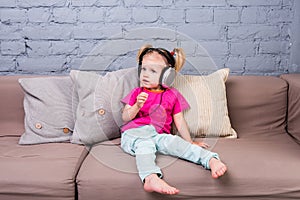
167	77
168	74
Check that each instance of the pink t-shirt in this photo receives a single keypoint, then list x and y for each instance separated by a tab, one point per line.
158	109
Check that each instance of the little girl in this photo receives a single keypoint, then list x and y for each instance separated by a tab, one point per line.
148	114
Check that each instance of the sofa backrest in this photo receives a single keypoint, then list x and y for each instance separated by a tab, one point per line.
257	105
11	106
293	114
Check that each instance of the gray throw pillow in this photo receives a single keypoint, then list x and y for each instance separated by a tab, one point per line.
49	105
98	115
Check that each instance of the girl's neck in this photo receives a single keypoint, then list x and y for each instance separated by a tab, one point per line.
158	89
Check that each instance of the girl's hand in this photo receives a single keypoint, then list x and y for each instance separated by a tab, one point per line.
141	99
201	144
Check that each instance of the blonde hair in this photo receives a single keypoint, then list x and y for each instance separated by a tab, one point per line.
178	54
179	58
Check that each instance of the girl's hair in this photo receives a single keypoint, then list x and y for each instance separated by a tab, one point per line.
177	53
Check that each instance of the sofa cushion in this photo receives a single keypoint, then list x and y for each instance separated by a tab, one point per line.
257	105
11	106
293	118
98	116
49	105
208	113
260	168
36	172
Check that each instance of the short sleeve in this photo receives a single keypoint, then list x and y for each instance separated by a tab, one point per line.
180	103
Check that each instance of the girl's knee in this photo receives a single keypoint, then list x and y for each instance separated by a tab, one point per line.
145	146
173	144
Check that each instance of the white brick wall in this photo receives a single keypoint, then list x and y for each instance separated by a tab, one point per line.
55	36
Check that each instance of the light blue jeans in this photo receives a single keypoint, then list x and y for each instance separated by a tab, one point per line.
144	142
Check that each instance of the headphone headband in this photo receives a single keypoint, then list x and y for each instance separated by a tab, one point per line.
165	53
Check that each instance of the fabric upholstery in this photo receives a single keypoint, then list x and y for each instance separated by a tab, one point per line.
39	172
293	118
257	105
251	167
11	106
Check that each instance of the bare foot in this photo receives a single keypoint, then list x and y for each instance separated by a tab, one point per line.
154	184
217	168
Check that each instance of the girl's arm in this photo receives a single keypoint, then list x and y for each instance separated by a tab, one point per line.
130	112
182	128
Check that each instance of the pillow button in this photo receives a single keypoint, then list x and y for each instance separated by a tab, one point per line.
66	130
101	111
38	126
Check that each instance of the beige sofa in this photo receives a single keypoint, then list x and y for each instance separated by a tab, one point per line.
263	162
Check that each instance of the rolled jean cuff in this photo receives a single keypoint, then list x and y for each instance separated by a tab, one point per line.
213	155
144	175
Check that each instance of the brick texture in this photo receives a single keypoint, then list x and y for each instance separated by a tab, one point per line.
55	36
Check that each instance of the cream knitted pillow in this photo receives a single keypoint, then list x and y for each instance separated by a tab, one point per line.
208	115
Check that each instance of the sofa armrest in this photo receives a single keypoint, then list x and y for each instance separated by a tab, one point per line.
293	114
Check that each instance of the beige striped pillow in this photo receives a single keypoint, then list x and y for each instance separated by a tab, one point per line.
208	115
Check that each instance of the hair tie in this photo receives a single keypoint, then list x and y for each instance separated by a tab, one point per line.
173	53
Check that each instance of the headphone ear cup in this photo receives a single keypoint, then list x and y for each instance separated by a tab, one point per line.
167	77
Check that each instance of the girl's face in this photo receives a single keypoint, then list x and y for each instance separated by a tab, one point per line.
152	65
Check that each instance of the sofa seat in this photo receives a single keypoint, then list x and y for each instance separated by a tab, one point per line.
260	168
45	171
254	172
